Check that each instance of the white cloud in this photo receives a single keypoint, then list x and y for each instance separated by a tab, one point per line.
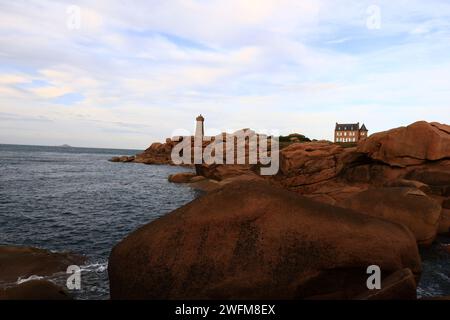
146	69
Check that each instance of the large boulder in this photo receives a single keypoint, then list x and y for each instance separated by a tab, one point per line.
24	262
411	145
307	163
250	240
407	206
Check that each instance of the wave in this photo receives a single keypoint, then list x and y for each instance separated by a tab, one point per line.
30	278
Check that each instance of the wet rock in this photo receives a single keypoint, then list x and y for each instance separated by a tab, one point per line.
122	159
35	290
445	248
23	262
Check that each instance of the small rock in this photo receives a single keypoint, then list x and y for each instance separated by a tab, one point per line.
445	248
181	177
122	159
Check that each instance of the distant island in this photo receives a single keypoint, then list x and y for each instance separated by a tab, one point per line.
65	146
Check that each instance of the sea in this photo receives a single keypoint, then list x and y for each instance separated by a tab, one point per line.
73	199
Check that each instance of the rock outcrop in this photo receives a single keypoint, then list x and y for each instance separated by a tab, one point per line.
157	153
250	240
122	159
411	145
307	167
24	262
35	290
408	206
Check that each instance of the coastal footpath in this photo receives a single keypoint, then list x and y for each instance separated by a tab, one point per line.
309	232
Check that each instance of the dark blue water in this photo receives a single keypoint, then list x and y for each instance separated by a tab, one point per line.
73	199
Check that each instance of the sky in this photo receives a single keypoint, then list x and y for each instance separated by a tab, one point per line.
123	74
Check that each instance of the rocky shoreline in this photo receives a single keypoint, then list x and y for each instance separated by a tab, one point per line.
307	233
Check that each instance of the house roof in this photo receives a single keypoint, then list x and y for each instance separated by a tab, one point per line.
363	128
347	126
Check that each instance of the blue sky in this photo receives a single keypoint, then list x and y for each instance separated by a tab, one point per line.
125	74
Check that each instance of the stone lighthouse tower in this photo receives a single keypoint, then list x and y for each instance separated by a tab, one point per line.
198	140
200	129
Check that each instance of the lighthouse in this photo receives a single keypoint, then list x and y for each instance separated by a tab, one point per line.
200	129
198	140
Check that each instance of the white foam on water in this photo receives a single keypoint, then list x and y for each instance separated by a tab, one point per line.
30	278
95	267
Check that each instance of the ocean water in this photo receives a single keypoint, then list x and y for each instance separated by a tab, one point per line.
73	199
